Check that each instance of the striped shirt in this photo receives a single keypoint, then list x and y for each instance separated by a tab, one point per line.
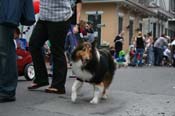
55	10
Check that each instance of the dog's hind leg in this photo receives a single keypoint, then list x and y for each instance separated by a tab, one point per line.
98	92
75	88
104	96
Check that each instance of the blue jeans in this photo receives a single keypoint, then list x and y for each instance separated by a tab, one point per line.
8	67
139	51
150	57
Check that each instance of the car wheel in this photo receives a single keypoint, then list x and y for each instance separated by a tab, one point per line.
29	72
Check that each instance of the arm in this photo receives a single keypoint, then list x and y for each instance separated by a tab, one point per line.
78	10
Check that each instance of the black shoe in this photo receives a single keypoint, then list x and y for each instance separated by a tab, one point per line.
7	99
72	76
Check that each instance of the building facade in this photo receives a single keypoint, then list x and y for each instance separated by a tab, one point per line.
113	16
159	24
171	22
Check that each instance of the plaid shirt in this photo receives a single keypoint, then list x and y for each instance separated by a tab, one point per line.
55	10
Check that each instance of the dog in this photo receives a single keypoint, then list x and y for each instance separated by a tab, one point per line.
92	65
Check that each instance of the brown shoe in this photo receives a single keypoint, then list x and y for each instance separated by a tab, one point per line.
54	90
36	86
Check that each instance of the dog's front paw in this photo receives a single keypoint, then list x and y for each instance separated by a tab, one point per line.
73	96
94	101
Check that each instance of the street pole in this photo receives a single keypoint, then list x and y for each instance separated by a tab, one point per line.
96	29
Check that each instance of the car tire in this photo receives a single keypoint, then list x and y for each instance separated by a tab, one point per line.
29	72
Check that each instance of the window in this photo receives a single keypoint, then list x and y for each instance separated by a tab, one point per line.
96	19
154	30
162	29
140	26
131	22
120	24
172	3
166	31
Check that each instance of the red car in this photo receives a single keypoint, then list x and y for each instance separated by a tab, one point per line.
24	63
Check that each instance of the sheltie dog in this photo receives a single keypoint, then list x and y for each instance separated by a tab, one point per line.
92	65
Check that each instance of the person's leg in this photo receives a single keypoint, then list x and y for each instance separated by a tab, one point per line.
173	55
148	56
37	40
151	56
156	56
8	66
159	56
141	51
173	62
57	34
116	53
135	60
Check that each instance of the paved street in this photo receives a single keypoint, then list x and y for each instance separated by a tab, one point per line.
134	92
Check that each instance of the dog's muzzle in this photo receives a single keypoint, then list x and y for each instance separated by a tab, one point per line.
84	61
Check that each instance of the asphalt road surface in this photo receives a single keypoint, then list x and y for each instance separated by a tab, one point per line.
145	91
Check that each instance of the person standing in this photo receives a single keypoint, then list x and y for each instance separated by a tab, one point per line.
159	45
118	43
140	46
12	12
173	51
53	25
149	49
72	38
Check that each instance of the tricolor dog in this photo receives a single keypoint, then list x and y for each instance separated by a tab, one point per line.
94	66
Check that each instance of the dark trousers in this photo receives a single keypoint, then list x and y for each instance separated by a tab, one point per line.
173	55
55	32
158	55
8	67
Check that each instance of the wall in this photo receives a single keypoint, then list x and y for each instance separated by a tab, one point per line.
110	19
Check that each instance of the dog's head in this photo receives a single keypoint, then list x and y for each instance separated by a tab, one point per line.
84	52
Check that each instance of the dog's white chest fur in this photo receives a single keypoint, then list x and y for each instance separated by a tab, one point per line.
82	74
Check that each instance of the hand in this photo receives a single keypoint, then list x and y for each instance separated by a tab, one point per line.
75	29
